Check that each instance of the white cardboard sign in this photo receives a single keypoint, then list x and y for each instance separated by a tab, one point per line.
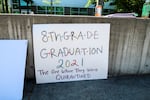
12	64
70	52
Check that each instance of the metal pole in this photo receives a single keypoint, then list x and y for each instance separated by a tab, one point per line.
51	6
97	2
19	6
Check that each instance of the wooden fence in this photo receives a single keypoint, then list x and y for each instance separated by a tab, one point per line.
129	50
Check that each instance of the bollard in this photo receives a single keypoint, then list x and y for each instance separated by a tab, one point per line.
98	10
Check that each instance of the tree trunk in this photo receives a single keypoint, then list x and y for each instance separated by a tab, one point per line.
6	4
3	8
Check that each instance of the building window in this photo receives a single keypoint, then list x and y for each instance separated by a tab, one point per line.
15	6
15	1
79	11
74	11
59	10
83	11
50	10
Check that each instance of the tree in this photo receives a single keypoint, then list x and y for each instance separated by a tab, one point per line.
130	6
93	2
4	4
28	2
51	1
3	7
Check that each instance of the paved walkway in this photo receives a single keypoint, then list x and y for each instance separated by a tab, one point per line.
116	88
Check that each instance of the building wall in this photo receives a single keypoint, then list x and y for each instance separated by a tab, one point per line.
129	50
62	3
69	7
75	6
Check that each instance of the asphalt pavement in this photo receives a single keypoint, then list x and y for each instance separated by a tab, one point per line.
114	88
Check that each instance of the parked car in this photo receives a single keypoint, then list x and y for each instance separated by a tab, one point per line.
128	15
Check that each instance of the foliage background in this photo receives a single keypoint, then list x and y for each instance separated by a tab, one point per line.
130	6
